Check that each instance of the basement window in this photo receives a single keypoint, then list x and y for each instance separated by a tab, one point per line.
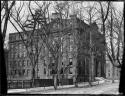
44	71
70	61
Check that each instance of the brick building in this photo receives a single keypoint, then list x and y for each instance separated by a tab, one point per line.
75	50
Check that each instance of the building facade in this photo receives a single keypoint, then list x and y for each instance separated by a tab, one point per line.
81	52
109	71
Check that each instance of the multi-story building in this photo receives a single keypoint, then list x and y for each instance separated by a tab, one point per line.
81	49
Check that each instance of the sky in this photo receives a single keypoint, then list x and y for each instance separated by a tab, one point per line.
11	29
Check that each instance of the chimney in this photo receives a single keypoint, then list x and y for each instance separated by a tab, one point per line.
74	16
55	15
73	19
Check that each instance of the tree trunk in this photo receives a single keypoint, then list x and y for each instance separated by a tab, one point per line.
122	74
92	64
56	72
113	74
33	77
90	73
75	77
75	81
3	75
55	81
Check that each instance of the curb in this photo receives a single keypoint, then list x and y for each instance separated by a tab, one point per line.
51	87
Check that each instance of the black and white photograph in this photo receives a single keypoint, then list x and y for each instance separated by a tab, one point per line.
62	47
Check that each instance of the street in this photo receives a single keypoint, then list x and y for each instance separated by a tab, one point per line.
106	88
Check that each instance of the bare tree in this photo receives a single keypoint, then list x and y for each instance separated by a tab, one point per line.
89	13
91	18
115	46
40	20
92	13
122	73
29	33
104	13
6	7
55	46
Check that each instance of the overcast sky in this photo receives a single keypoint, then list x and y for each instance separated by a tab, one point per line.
10	28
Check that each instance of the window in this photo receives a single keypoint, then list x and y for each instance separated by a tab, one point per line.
15	55
19	72
61	48
42	52
109	74
53	64
18	63
13	37
24	53
23	63
15	72
10	64
17	36
50	55
44	71
19	46
23	72
70	61
71	48
51	72
117	74
44	63
24	47
28	72
12	72
19	53
34	49
28	63
70	72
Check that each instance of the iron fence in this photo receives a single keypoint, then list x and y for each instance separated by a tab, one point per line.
18	84
12	84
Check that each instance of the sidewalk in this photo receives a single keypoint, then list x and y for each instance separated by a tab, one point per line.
50	87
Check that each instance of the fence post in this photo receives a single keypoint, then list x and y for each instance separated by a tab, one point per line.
17	84
22	83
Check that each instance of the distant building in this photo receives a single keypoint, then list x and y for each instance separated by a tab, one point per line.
75	51
109	70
